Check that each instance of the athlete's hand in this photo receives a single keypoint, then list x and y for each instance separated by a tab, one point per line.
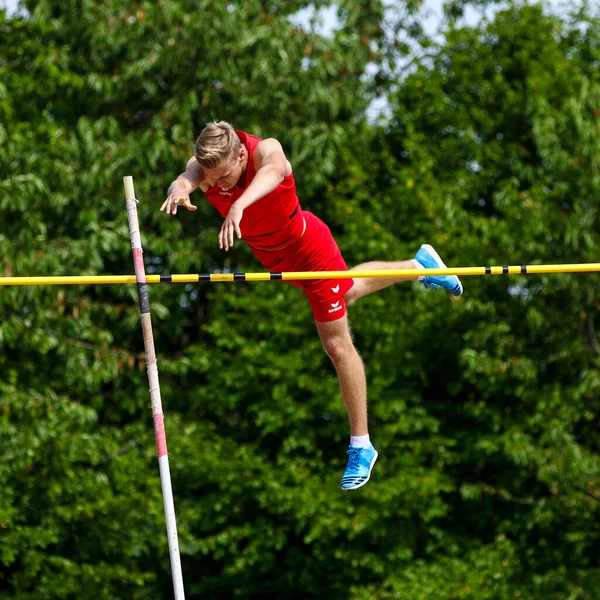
177	199
230	226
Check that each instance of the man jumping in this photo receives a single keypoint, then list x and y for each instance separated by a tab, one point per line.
251	183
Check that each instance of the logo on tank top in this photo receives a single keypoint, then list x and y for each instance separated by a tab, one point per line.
225	194
336	289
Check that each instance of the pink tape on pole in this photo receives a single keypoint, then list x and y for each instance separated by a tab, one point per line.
159	432
138	263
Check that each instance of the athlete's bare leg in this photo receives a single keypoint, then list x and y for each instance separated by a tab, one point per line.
367	285
337	343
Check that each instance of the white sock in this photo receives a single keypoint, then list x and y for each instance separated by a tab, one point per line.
418	265
360	441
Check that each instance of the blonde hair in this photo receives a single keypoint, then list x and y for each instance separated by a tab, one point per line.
218	141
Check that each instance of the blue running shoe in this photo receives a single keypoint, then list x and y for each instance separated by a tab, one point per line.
430	259
358	470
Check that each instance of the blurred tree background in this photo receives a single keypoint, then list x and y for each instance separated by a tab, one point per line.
484	409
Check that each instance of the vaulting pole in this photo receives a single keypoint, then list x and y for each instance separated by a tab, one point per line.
297	275
157	413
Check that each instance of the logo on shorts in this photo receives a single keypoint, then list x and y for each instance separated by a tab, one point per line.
225	194
335	307
336	289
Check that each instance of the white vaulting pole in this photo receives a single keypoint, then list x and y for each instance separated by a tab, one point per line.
157	413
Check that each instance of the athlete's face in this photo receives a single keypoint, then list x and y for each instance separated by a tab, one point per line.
228	173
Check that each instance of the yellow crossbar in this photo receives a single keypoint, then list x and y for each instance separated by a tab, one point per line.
298	275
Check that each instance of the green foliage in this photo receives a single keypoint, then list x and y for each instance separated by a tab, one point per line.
495	141
484	409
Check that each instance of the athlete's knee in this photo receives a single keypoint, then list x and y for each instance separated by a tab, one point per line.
338	347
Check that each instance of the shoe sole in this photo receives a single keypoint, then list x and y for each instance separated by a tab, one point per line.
368	476
441	265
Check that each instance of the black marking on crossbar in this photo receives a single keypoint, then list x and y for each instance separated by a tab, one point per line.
488	270
239	276
524	269
504	270
204	277
276	276
166	279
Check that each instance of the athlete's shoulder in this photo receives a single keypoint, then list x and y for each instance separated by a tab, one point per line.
271	149
248	138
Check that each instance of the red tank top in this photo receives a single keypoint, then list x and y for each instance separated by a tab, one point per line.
270	223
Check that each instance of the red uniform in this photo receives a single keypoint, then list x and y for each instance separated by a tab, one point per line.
284	238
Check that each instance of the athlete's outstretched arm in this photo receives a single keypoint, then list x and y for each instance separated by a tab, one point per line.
180	189
271	168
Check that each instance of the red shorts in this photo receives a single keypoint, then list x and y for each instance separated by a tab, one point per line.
316	250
